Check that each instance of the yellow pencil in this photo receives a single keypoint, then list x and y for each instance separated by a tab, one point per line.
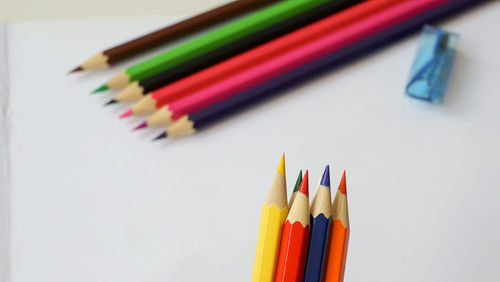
274	213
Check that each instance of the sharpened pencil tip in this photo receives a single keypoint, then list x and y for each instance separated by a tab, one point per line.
304	187
77	69
101	88
142	125
161	136
127	113
325	180
110	102
342	185
298	182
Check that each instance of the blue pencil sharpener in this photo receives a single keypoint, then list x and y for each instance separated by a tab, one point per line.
432	66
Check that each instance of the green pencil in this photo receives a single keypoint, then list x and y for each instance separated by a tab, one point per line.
210	41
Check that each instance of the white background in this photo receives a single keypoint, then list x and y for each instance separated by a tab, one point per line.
92	201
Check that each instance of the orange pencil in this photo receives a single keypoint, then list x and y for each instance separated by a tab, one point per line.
295	238
339	236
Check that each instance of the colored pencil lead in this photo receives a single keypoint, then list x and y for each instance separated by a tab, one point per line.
110	102
325	180
298	182
304	187
142	125
342	185
127	113
79	68
101	88
161	136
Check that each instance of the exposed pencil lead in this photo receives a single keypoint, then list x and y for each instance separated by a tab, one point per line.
79	68
304	187
342	185
142	125
298	182
127	113
110	102
161	136
101	88
325	180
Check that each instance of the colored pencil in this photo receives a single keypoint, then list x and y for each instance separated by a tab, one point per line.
256	56
320	230
170	33
296	188
140	88
210	41
210	115
295	237
339	237
291	60
273	215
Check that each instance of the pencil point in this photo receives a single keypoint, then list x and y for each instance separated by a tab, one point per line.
127	113
101	88
342	185
281	166
142	125
110	102
161	136
304	187
325	180
79	68
297	183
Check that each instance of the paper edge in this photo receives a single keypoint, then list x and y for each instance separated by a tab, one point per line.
4	158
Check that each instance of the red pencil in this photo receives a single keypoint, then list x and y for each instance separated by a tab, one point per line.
295	238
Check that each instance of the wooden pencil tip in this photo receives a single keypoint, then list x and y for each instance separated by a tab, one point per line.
161	136
77	69
342	185
298	182
304	186
127	113
281	166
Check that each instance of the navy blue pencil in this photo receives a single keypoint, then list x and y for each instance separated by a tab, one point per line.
321	218
209	115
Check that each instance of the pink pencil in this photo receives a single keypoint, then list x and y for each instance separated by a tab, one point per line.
291	60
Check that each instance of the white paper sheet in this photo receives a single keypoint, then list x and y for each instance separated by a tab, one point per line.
4	158
92	201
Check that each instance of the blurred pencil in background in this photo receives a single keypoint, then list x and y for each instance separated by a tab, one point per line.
170	33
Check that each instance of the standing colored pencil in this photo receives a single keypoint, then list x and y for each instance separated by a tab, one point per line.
208	116
296	188
256	56
274	213
320	230
142	87
211	40
293	250
292	59
339	237
170	33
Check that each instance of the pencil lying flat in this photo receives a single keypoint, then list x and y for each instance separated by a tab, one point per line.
210	41
295	58
339	236
202	119
273	215
321	207
140	88
263	54
170	33
295	238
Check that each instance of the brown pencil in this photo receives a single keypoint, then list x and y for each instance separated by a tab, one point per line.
123	51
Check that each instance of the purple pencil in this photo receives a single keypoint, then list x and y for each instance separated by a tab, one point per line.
196	121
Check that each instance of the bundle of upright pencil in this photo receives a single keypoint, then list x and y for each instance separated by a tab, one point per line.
272	46
298	241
